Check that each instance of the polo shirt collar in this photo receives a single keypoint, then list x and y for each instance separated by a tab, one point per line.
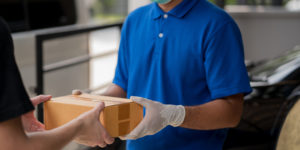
179	11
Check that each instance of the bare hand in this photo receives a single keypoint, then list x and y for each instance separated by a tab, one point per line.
30	123
92	132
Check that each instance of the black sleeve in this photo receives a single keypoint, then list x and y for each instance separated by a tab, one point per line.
14	100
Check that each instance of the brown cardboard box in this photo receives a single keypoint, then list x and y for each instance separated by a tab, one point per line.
119	117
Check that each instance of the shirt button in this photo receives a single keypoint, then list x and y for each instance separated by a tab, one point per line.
160	35
165	16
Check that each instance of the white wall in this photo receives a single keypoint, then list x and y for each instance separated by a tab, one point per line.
24	45
267	32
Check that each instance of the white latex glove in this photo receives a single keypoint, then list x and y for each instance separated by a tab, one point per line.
157	117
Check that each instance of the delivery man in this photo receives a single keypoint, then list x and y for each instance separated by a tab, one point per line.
16	109
184	60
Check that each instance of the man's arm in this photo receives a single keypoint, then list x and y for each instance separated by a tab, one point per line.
217	114
85	129
115	91
220	113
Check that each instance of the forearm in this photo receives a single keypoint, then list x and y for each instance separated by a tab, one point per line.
54	139
12	136
115	91
220	113
85	129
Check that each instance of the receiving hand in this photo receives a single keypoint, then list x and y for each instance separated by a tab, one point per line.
157	117
92	132
30	123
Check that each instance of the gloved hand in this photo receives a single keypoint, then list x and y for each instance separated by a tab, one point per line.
157	117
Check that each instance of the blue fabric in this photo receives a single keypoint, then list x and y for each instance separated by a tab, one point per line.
198	58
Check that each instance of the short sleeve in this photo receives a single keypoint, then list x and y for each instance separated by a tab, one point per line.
14	100
121	72
226	73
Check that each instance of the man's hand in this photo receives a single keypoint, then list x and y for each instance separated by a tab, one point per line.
92	133
157	117
30	123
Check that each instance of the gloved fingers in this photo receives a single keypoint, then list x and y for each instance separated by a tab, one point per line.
133	136
137	132
140	100
122	138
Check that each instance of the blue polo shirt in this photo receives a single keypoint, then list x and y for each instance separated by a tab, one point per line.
190	55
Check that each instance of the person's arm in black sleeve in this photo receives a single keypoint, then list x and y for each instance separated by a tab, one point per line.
14	102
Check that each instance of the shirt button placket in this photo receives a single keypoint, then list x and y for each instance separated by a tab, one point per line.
161	35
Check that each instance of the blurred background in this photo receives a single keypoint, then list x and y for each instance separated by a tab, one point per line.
62	45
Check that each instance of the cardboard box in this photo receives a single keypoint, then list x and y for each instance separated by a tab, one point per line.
119	117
